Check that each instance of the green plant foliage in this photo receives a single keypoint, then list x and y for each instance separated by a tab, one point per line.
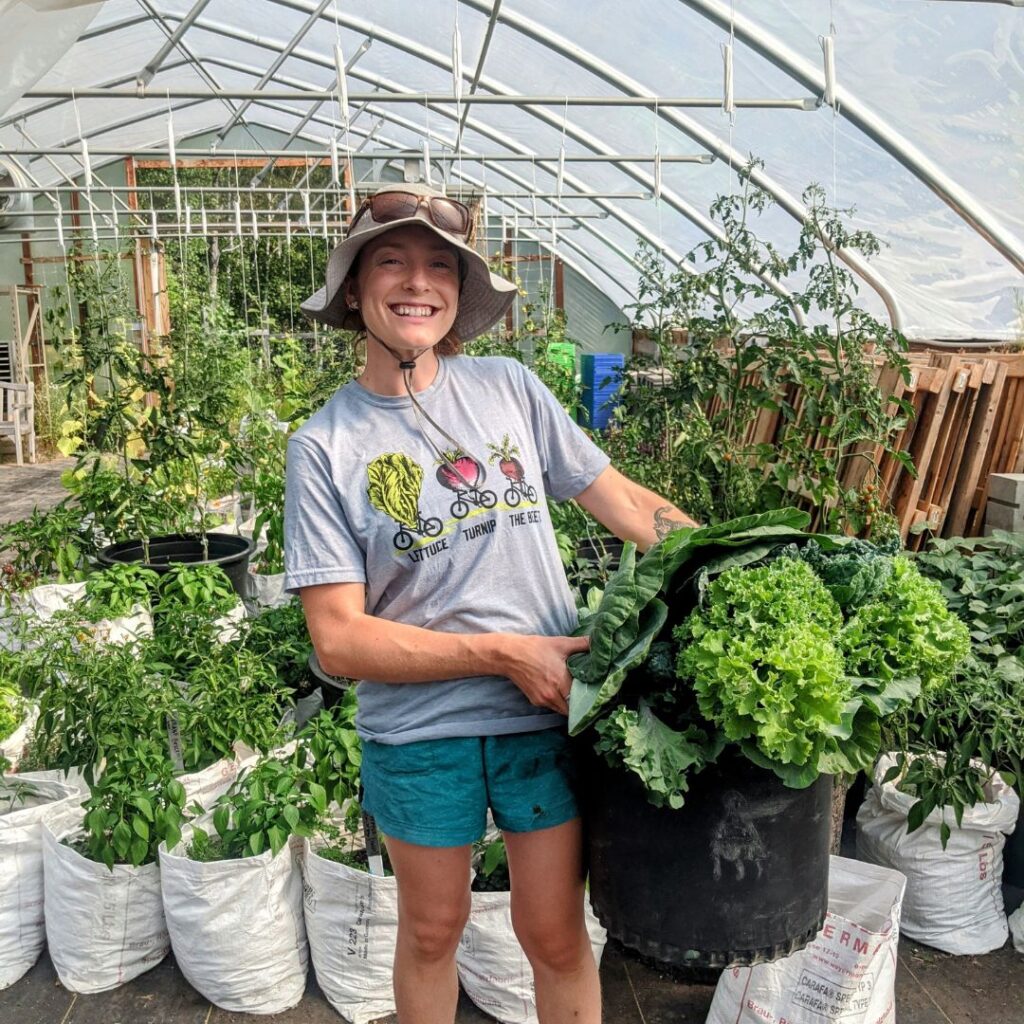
907	631
133	807
749	653
854	573
661	756
279	638
335	752
688	417
12	709
118	590
264	806
46	547
763	661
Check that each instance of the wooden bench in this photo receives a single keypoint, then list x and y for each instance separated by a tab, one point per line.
17	417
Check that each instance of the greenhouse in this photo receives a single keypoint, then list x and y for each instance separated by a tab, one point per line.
512	511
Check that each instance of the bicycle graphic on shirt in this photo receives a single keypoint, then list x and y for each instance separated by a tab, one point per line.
393	487
465	476
512	469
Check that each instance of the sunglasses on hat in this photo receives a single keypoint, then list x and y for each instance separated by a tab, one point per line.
448	215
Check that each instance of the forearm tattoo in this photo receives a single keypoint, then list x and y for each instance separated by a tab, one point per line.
664	524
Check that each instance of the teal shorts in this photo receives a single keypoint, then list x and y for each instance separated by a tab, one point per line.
437	792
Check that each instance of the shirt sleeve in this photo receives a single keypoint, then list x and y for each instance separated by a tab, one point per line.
319	545
570	461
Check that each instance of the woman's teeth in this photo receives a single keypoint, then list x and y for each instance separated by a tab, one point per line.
413	310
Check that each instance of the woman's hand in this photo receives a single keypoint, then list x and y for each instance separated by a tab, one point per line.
537	665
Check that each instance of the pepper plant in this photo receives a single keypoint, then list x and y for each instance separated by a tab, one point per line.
133	807
265	805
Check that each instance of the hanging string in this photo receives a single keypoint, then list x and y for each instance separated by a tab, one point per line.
732	117
172	157
657	176
559	182
457	86
831	98
288	262
343	110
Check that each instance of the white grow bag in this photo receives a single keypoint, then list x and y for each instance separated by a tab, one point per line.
22	927
846	975
103	927
954	898
237	929
352	922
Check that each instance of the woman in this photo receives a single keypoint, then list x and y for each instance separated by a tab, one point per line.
418	537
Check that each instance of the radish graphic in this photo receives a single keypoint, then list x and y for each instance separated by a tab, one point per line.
512	469
462	474
459	471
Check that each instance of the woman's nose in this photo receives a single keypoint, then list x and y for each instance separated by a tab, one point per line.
416	278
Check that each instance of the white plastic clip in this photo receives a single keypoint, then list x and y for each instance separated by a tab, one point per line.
152	224
339	70
238	218
188	219
427	174
335	169
255	226
58	216
828	49
305	209
203	222
457	64
728	99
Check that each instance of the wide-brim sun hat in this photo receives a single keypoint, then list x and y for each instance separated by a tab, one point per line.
483	299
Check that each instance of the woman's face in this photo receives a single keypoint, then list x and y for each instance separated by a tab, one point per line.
407	287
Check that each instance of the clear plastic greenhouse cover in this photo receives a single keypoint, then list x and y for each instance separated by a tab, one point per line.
927	142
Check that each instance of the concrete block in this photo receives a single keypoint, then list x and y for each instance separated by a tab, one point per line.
1007	488
1004	517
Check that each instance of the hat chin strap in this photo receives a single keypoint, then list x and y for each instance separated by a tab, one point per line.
407	366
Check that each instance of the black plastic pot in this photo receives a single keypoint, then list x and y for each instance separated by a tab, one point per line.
737	876
332	687
227	550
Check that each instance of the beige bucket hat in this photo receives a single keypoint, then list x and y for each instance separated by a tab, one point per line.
483	300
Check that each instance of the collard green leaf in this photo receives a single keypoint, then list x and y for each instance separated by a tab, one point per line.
618	602
588	700
660	756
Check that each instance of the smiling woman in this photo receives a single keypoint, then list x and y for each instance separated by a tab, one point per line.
401	549
405	286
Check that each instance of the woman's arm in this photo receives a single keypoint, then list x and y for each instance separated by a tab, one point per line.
630	511
351	643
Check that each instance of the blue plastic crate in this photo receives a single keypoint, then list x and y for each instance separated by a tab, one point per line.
599	375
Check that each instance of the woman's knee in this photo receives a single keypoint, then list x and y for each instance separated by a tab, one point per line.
434	933
559	947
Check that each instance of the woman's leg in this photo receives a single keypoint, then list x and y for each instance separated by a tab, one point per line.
546	868
433	905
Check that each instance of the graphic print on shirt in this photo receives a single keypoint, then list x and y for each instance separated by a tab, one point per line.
395	487
512	469
394	483
462	474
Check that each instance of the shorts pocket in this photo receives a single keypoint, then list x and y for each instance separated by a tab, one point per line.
417	758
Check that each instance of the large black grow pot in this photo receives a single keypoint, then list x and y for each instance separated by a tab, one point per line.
227	550
737	876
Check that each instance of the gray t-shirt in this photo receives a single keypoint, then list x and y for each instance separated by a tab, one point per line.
367	502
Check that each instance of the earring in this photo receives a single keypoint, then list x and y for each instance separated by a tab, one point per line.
353	304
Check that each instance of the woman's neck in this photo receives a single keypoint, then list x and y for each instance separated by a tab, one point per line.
383	376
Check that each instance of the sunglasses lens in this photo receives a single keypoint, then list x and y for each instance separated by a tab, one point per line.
393	206
450	216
